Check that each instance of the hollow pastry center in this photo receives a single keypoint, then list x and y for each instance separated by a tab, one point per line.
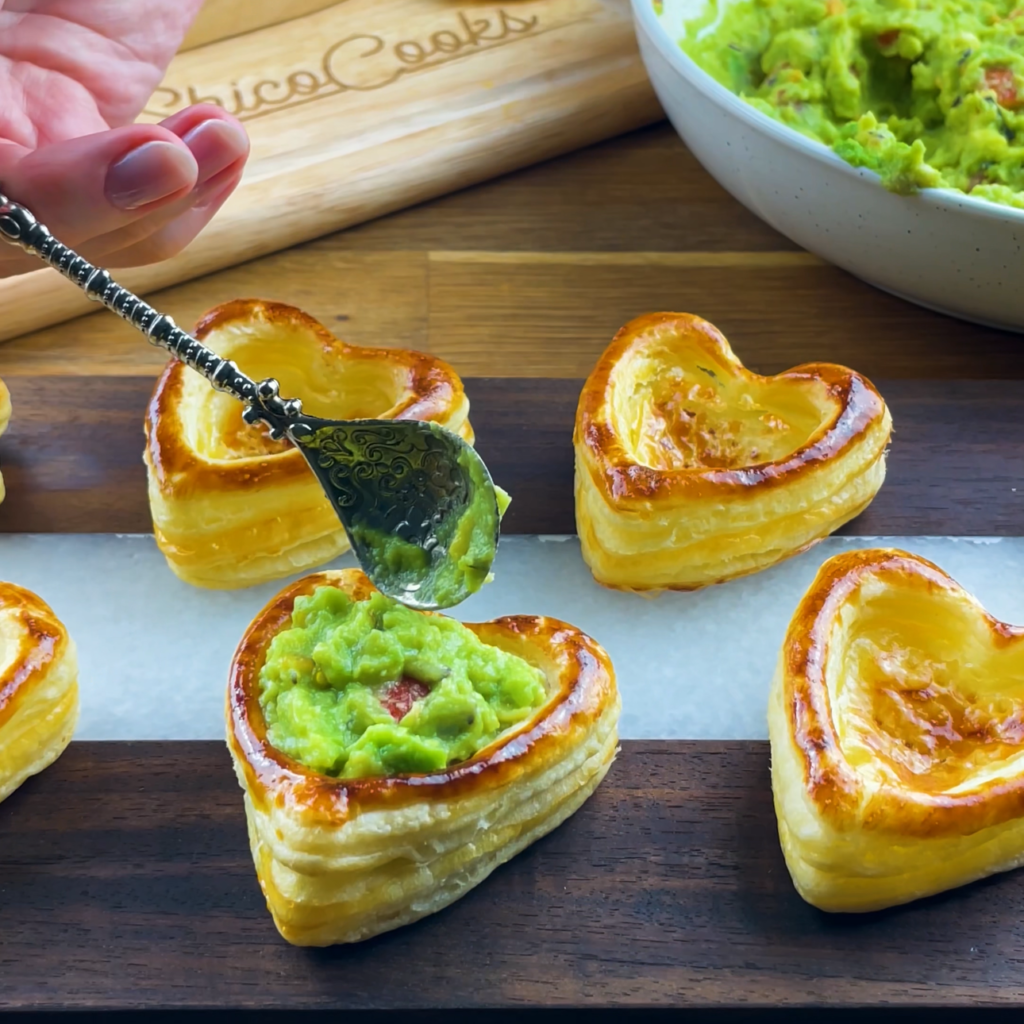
369	688
10	646
19	651
329	385
915	709
241	440
693	413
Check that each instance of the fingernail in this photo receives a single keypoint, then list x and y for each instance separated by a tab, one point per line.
215	144
212	192
148	173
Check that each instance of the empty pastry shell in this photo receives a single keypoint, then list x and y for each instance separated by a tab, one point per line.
691	469
38	687
896	719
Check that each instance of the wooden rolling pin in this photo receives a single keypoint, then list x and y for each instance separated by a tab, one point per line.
366	106
224	19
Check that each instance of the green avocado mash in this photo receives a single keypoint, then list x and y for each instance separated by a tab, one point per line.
367	688
464	554
928	93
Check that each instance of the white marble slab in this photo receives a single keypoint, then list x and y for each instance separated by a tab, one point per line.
154	652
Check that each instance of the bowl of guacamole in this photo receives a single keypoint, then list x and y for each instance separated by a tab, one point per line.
886	137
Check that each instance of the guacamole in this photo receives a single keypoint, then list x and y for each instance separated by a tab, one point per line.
368	688
464	555
928	93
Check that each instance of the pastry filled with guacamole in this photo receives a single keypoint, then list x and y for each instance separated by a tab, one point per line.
391	759
928	93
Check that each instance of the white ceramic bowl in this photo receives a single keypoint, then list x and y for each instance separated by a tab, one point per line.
939	248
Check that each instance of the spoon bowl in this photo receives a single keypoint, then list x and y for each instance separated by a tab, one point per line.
416	500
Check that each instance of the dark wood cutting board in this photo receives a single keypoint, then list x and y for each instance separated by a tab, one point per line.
126	880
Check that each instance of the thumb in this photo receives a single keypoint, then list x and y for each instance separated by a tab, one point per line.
88	186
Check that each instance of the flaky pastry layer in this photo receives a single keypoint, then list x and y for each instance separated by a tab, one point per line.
691	470
38	687
340	861
896	720
5	419
232	508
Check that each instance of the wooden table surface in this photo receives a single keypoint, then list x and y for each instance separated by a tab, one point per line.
531	275
125	881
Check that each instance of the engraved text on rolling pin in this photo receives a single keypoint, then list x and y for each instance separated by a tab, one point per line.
358	63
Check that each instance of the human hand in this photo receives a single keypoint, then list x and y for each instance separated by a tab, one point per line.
74	74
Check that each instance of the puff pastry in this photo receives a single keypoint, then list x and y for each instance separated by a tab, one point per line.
340	860
692	470
5	418
38	687
232	508
896	719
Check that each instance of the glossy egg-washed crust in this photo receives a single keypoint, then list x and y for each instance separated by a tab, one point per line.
341	860
5	418
38	687
257	515
862	836
645	527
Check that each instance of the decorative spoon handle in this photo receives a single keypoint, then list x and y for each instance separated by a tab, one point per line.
19	226
405	491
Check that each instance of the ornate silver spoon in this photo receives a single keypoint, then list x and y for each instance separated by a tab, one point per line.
416	501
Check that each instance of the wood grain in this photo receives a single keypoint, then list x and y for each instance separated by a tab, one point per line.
556	313
531	275
224	19
642	192
368	106
128	883
72	458
551	314
367	298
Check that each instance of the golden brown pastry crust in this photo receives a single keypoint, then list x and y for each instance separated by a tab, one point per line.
231	508
38	687
691	469
342	860
895	720
5	419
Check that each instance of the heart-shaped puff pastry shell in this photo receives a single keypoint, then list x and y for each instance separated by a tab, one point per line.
231	507
38	687
692	470
342	860
896	719
5	418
